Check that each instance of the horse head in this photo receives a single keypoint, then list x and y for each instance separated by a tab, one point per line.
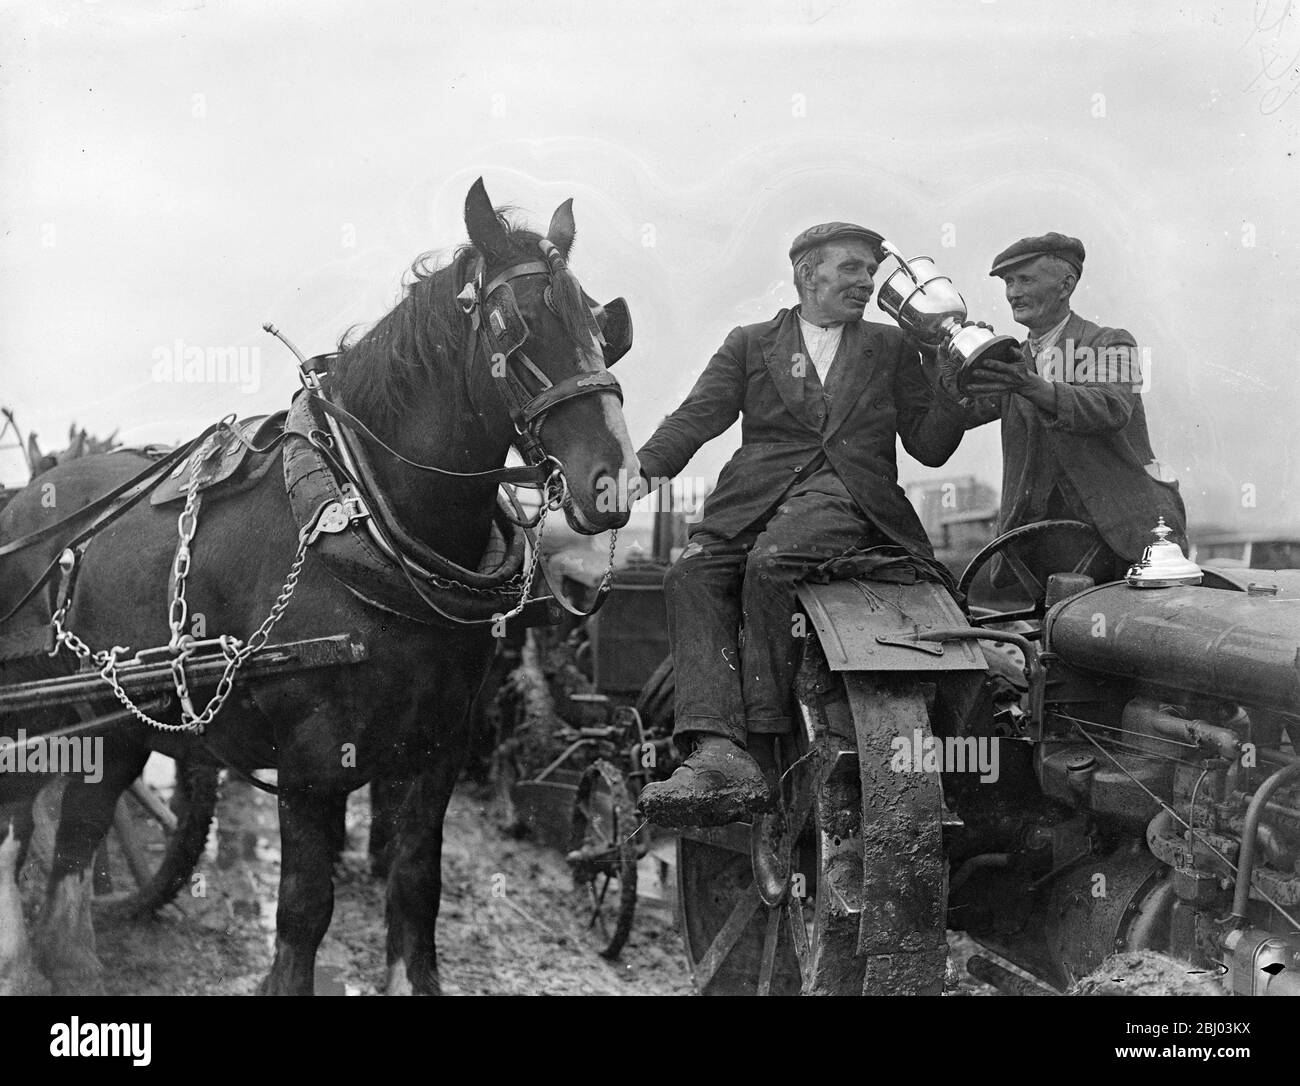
545	348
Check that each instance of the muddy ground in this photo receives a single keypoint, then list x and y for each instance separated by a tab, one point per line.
511	923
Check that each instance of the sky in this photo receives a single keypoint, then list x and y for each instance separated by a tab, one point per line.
174	174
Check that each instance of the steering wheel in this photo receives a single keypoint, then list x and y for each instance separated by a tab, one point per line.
1081	539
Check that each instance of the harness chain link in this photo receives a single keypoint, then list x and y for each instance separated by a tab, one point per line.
235	652
181	644
555	500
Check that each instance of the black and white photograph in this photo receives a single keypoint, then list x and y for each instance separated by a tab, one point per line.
774	498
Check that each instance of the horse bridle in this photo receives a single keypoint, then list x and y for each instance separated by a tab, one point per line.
499	332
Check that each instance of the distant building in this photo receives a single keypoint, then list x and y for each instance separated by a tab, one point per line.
937	500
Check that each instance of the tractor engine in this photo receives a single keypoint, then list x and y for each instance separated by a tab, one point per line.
1150	797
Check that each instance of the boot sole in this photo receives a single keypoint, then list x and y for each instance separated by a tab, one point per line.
678	812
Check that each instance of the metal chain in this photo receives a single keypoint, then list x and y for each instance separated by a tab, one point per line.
181	644
532	566
608	579
186	525
605	581
235	651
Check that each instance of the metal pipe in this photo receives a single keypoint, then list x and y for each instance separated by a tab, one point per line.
118	716
977	863
1000	636
1001	978
1161	825
1249	833
1144	715
975	634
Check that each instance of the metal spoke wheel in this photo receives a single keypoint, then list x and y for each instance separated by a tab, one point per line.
1057	545
842	889
602	856
159	832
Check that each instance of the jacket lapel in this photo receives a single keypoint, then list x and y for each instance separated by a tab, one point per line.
855	361
1071	338
782	348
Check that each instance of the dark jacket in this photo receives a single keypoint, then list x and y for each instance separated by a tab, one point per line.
1097	441
880	393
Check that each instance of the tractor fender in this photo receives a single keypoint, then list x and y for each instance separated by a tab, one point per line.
872	625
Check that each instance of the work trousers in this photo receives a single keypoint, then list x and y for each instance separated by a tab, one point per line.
732	615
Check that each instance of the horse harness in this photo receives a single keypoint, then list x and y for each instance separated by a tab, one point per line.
343	515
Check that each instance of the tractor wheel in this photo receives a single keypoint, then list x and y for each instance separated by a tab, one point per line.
842	890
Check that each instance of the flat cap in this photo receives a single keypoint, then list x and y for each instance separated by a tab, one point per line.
833	231
1050	244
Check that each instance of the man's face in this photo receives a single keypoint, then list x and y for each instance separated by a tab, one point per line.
1038	292
841	285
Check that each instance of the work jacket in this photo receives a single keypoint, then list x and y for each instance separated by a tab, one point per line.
879	393
1095	446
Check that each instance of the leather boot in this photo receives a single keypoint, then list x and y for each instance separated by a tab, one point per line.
718	783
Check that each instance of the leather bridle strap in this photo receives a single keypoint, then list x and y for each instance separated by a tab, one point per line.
528	267
341	469
528	409
128	491
570	388
531	475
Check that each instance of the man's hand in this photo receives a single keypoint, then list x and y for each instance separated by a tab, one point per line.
637	488
996	378
940	364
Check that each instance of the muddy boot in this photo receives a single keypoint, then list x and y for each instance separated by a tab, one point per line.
717	784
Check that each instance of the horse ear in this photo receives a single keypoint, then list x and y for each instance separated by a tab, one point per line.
562	229
486	233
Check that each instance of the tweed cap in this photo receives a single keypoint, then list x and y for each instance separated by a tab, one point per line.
1050	244
833	231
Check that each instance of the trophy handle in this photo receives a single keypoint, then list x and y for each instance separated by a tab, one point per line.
890	249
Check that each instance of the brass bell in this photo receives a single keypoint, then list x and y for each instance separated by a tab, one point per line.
1163	564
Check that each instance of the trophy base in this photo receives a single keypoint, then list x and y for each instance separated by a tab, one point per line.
1001	348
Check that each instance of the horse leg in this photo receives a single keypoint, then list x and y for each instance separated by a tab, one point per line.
386	795
65	942
415	882
15	950
308	835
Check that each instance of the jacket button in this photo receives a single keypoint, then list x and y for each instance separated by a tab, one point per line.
798	470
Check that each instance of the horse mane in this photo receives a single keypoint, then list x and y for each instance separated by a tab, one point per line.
419	343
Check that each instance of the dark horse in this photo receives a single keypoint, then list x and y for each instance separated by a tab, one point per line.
420	381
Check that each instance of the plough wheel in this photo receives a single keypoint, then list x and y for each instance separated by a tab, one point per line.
157	838
602	855
171	849
842	890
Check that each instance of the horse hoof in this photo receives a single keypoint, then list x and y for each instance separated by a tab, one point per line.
65	944
401	984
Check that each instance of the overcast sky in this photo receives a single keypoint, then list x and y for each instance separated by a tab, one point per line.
186	171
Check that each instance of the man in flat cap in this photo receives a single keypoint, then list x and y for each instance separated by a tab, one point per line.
823	396
1074	430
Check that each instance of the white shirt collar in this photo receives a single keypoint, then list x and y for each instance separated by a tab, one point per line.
1049	338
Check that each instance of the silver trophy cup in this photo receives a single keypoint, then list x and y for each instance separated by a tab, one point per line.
928	306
